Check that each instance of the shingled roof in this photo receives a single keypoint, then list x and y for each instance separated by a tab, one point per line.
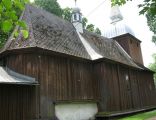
52	33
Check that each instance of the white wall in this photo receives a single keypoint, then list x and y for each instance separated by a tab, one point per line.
76	111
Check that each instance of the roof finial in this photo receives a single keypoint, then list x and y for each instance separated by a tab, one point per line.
75	2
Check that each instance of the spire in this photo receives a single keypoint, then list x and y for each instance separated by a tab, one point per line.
77	18
116	15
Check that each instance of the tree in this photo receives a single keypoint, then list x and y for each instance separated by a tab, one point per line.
151	21
50	5
84	22
152	66
97	31
67	12
10	11
90	27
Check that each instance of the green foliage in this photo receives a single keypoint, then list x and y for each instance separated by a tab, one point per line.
152	66
6	25
3	37
148	6
50	5
10	11
25	33
118	2
141	116
90	27
84	22
154	39
67	13
97	31
151	21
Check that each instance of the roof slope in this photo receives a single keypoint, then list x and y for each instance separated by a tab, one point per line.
52	33
49	32
108	48
120	28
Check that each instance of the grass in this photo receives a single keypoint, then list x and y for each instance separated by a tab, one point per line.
141	116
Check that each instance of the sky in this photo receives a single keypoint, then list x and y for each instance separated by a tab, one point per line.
98	13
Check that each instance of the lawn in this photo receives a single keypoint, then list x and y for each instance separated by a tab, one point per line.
141	116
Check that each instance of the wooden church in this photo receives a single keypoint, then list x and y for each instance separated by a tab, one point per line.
63	72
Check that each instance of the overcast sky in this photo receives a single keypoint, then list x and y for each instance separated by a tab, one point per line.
100	18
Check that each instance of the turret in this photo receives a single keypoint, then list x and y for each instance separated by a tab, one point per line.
76	18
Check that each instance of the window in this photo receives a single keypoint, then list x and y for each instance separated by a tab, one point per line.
75	18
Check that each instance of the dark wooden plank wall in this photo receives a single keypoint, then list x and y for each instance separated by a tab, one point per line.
146	88
125	88
119	94
132	46
17	102
65	79
135	92
60	78
107	77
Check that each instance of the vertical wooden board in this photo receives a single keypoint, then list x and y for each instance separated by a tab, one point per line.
107	84
126	102
52	80
44	85
135	89
115	92
15	102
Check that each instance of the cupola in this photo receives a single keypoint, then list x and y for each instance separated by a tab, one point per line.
77	18
118	27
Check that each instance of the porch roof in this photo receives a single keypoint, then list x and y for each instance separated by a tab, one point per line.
8	76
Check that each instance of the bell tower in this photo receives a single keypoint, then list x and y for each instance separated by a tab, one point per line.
120	32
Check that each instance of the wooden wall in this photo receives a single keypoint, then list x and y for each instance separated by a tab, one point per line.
17	102
68	79
60	78
120	93
132	46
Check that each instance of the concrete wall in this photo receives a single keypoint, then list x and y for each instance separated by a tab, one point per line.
76	111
